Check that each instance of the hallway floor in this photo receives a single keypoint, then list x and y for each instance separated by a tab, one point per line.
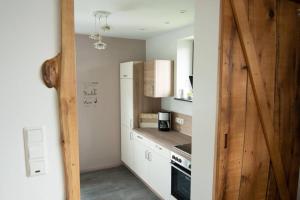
114	184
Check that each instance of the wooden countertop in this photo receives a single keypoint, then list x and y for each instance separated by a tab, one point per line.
167	139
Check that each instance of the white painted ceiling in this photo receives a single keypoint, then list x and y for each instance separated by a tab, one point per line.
137	19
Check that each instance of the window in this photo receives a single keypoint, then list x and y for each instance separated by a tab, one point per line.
184	69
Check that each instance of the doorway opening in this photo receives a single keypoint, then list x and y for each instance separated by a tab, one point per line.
134	80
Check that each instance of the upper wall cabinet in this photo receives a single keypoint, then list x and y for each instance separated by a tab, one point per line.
158	78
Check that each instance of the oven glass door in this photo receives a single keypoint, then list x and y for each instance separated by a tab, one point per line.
181	182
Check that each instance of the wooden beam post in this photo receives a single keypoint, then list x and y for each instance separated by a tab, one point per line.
260	95
60	73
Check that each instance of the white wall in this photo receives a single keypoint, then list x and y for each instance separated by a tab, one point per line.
165	47
205	97
29	36
99	126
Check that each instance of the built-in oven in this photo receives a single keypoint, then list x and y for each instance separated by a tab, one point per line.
180	178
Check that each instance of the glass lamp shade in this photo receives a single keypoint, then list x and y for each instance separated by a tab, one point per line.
100	45
94	36
106	28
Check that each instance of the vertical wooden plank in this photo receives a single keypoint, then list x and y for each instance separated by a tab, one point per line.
67	102
256	160
287	98
260	94
287	95
233	94
254	175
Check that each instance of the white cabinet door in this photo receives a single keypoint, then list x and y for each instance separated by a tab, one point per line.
131	162
127	146
124	144
152	165
126	86
159	172
140	157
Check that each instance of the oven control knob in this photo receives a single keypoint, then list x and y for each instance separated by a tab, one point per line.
173	157
179	160
190	166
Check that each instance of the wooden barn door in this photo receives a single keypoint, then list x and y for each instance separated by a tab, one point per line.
245	169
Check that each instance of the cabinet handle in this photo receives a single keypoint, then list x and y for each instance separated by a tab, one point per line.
158	147
150	156
131	123
139	137
146	155
131	136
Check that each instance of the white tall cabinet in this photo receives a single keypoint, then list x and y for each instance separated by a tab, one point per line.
127	139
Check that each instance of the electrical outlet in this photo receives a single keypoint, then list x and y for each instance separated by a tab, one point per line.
179	121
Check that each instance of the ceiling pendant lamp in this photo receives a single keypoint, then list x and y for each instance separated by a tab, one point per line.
100	15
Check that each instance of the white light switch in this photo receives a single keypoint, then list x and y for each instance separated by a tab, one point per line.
35	151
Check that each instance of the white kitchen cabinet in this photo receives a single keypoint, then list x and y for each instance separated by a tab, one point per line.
127	110
127	146
153	167
159	172
140	157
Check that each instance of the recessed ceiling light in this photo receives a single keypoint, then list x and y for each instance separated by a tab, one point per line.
167	22
182	11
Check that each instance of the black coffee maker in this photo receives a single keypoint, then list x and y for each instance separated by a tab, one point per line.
164	121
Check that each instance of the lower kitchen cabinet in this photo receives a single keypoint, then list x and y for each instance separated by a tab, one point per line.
127	146
159	173
151	166
140	158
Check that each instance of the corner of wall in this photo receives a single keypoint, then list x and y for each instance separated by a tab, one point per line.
205	98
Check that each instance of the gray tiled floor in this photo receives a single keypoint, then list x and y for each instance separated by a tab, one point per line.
114	184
